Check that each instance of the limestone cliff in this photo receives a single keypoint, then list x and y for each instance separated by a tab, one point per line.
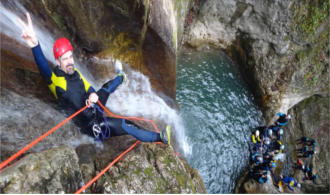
311	119
147	169
282	51
281	47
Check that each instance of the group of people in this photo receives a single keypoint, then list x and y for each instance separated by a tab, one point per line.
305	152
265	147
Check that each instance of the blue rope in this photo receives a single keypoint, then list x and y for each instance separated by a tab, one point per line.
106	125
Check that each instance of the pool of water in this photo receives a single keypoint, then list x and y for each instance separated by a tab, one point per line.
218	111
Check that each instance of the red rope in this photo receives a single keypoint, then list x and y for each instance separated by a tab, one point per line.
104	170
140	119
113	162
3	164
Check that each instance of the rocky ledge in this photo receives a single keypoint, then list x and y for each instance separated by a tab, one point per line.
148	168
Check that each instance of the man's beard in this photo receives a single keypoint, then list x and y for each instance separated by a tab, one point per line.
70	71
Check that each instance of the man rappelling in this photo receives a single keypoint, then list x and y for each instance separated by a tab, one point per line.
72	90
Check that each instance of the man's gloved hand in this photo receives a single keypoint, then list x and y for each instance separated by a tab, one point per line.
119	69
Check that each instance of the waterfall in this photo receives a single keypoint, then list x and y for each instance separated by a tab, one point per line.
134	98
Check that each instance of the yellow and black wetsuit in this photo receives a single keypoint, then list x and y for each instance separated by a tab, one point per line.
254	139
277	146
72	91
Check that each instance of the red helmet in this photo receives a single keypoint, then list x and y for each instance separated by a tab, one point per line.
61	46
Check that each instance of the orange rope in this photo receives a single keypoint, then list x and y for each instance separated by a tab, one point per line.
104	170
140	119
113	162
11	164
3	164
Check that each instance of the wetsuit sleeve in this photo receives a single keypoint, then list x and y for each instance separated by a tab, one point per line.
261	180
253	157
279	114
42	64
282	124
90	90
254	139
264	168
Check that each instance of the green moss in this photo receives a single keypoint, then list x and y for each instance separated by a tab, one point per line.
136	172
148	172
308	16
192	186
301	55
182	180
60	22
287	38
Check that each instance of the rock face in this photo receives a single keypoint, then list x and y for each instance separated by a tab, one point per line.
311	119
151	169
25	119
274	44
282	50
253	187
315	189
148	168
53	171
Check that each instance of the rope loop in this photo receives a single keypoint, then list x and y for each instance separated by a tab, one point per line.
97	129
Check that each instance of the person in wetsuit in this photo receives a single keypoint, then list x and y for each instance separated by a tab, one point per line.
311	142
283	119
302	140
72	90
288	180
312	178
264	131
307	154
277	147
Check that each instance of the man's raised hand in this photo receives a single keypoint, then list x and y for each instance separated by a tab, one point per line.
28	33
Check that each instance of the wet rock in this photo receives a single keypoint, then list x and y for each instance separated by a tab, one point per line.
23	120
315	189
254	187
150	168
263	38
310	118
50	171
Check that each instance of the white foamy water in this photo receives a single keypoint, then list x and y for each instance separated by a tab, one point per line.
134	98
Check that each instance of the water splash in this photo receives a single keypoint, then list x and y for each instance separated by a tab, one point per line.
133	98
136	98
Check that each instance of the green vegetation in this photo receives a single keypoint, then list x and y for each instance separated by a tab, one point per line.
148	171
192	186
309	15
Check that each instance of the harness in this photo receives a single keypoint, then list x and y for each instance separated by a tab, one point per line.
96	126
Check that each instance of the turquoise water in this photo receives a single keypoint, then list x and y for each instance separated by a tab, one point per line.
217	110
